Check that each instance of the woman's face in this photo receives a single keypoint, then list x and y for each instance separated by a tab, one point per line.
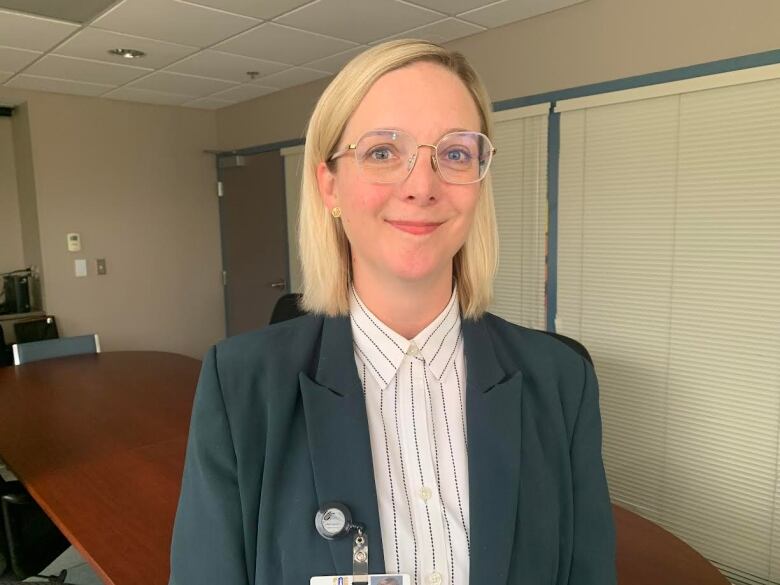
412	229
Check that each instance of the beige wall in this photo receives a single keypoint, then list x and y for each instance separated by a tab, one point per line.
598	40
133	180
10	225
28	202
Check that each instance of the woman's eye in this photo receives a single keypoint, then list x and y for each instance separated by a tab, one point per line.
380	153
458	155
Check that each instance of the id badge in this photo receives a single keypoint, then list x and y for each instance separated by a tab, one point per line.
387	579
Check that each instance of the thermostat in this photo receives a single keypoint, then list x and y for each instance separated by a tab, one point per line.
74	243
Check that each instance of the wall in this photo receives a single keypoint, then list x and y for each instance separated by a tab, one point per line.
134	181
591	42
10	225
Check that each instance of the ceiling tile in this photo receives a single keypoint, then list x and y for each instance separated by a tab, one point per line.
359	20
80	11
145	95
4	76
334	63
94	43
267	9
32	32
178	83
15	59
228	66
291	77
453	6
443	31
207	104
175	22
57	85
507	11
283	44
85	70
244	92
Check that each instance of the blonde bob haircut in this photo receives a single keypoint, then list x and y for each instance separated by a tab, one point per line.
323	245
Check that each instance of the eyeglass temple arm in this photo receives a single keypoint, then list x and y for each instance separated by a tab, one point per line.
343	152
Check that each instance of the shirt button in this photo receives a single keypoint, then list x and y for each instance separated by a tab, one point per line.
413	349
425	493
434	578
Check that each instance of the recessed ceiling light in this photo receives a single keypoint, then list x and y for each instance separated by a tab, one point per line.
127	53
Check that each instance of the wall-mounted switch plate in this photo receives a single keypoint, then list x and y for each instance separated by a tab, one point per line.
81	267
101	265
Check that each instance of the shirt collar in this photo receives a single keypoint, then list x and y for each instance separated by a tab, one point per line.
383	350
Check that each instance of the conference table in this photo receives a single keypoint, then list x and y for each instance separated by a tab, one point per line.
99	441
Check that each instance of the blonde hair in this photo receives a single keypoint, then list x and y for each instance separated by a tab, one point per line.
323	245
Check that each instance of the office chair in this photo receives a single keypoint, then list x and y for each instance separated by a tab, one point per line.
52	348
6	354
31	540
287	308
36	329
572	343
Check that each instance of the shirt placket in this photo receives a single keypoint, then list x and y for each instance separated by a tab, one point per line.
423	489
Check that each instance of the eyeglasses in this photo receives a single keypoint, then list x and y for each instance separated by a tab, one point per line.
388	156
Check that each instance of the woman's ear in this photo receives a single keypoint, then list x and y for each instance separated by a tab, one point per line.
326	184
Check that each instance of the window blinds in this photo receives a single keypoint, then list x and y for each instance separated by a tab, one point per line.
293	166
519	175
669	273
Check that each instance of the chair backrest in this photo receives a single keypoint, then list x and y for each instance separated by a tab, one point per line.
572	343
52	348
36	329
287	308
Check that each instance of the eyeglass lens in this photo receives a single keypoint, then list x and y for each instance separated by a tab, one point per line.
388	156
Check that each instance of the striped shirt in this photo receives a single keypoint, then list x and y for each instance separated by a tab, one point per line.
415	401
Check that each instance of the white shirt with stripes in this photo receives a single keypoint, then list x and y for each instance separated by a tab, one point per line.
415	401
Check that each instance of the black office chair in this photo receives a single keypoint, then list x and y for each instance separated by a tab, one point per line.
6	354
572	343
36	329
287	307
29	540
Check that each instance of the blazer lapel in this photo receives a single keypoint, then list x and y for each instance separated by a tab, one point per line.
493	423
339	441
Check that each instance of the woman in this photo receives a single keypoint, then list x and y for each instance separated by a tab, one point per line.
469	448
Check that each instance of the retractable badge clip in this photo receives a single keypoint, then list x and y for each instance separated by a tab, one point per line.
334	520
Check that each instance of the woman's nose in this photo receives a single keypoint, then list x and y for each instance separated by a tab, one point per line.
422	181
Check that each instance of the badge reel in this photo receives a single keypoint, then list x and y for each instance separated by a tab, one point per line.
333	521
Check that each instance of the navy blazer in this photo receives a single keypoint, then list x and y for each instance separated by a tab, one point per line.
279	427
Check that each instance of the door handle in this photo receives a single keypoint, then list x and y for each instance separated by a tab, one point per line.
279	284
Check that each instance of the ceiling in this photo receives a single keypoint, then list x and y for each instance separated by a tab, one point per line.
199	52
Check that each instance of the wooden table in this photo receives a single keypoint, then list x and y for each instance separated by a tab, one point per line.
99	442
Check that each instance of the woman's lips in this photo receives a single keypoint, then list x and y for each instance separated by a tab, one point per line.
418	228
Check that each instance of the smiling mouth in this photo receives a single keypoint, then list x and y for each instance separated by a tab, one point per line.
418	228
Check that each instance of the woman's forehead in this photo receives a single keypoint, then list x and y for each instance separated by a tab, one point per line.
419	98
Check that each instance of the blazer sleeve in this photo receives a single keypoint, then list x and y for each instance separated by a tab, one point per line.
207	544
593	560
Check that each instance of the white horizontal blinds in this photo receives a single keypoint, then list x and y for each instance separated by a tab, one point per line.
293	165
724	369
519	175
615	245
669	272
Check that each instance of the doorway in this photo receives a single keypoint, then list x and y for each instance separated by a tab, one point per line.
253	221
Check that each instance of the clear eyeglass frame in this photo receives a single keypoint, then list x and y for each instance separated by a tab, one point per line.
398	174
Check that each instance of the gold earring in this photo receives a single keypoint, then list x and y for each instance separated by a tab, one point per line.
336	212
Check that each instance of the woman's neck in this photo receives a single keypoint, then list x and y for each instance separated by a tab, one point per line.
405	307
